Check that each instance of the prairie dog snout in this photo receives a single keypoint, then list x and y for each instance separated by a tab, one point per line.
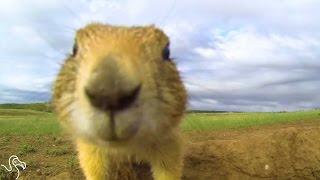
112	87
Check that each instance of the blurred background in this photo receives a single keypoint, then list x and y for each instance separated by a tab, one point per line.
233	55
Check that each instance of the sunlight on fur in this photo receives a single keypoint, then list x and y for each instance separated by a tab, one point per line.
120	97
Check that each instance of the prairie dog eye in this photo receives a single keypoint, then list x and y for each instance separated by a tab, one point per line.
75	49
166	52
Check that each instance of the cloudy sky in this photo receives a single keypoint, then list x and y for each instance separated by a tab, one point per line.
240	55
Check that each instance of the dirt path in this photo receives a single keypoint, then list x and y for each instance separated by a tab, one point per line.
272	152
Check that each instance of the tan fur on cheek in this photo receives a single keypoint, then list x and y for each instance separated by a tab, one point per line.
122	102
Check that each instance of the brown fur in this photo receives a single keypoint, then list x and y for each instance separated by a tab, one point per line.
136	54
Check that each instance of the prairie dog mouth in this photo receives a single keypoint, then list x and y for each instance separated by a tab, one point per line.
120	125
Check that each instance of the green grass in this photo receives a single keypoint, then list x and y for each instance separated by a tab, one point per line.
34	106
36	121
26	149
72	162
218	121
4	174
27	122
58	151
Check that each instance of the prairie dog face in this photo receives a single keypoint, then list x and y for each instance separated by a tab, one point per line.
119	84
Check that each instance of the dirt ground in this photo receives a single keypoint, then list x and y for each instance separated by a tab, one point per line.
290	151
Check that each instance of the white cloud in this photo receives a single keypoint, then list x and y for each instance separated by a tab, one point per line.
234	55
266	70
207	53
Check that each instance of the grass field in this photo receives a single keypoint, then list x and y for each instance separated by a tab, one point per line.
27	122
32	132
37	119
222	121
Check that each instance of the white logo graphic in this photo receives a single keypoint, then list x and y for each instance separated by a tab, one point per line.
14	161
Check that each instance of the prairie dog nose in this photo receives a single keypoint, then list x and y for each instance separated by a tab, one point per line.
113	102
112	86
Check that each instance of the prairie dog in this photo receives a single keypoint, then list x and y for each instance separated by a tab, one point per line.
121	97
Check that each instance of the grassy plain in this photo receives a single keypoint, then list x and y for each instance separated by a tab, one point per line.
37	119
32	132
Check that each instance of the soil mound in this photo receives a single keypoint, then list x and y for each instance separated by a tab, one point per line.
272	152
289	152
